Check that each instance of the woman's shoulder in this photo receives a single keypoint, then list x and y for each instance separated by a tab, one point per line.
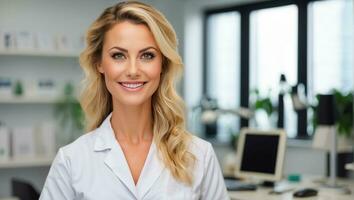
200	147
81	145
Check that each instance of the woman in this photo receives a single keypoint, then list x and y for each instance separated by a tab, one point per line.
137	146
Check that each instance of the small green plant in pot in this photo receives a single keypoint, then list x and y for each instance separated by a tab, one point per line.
263	104
70	116
344	113
344	119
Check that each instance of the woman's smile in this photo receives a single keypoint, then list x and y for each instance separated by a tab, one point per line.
132	86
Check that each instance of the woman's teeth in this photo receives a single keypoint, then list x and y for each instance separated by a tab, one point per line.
132	85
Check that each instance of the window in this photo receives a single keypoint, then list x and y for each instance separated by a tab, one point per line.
223	64
331	46
310	42
273	51
330	64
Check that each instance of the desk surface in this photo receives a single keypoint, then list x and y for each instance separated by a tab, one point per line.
323	193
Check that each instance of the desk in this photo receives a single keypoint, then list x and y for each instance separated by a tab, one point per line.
323	194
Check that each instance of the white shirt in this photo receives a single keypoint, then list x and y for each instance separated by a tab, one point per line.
94	168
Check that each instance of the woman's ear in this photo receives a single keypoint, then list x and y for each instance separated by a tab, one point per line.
100	68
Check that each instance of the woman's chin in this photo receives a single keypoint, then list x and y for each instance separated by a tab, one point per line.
132	101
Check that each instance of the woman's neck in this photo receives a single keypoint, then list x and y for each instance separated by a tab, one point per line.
132	124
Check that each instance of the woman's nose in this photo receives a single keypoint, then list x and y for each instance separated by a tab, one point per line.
133	69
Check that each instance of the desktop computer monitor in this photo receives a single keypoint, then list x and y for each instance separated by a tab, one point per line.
260	154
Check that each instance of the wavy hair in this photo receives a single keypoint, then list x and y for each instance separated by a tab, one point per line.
168	110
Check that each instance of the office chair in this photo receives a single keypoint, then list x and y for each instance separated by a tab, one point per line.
23	190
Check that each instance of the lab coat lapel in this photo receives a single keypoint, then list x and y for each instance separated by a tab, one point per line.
115	159
152	170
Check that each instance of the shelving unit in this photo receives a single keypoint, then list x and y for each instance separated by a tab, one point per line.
9	198
29	100
26	162
65	61
63	54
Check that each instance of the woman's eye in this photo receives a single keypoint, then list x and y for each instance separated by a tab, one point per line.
147	56
118	56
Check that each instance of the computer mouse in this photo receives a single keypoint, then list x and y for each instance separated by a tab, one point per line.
306	192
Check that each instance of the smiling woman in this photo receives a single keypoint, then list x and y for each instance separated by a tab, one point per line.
131	64
137	146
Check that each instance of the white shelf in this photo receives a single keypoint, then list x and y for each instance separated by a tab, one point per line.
349	166
29	100
9	198
26	162
63	54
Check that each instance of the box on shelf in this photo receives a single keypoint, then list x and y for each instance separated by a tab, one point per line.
5	87
63	43
9	40
4	143
45	140
45	42
25	41
23	142
43	88
47	87
2	41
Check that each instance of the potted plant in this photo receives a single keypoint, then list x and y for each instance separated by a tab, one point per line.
344	120
344	113
343	127
70	116
263	104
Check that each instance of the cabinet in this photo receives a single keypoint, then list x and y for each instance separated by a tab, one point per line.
31	108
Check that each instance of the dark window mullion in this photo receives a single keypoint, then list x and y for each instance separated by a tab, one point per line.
302	64
204	48
244	71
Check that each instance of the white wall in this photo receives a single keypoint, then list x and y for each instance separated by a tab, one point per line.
193	17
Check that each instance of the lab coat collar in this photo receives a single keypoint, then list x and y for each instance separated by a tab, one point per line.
105	138
151	171
115	160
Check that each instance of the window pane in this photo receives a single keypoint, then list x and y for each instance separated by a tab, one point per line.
330	48
223	58
273	51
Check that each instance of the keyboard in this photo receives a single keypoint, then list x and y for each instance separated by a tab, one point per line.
237	185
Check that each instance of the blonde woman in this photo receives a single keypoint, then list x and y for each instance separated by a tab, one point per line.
137	146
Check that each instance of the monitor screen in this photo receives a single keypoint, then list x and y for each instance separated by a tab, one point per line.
260	153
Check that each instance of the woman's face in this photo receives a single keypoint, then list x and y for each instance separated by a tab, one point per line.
131	63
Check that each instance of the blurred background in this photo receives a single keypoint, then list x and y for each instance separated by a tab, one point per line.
247	63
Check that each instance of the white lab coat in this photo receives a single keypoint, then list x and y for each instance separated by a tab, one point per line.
94	168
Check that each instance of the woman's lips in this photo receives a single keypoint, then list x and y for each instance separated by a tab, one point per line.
132	86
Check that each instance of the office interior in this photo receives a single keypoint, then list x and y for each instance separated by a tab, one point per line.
247	63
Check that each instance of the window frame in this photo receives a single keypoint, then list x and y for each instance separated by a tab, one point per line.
244	78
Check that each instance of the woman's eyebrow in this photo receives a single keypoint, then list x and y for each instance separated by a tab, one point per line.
125	50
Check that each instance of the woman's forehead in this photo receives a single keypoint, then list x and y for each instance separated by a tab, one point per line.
128	35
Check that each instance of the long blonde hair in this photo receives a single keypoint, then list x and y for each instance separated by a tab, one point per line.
168	109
